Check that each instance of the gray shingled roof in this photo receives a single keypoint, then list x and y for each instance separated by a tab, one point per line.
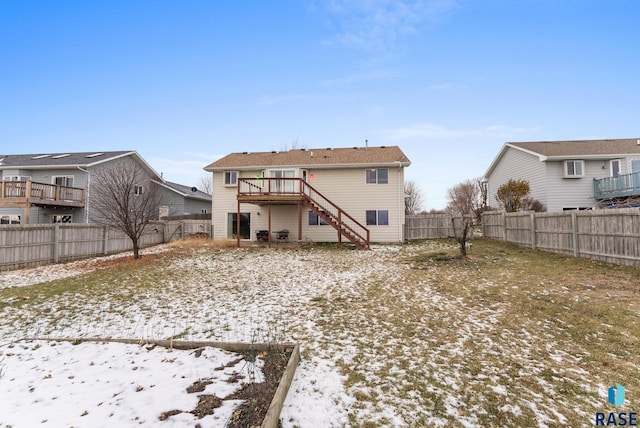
187	191
626	146
59	159
353	156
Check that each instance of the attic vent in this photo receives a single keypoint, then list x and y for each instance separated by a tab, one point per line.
94	155
40	157
61	156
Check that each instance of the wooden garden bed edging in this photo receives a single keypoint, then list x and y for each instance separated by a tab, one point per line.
272	416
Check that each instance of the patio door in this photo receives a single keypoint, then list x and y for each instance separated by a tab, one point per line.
282	186
245	225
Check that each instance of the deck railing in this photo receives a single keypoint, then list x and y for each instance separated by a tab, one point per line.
616	187
37	192
286	187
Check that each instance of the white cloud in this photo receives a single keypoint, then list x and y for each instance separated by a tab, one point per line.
373	25
436	131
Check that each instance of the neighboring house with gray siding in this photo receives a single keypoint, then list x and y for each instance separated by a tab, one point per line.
326	195
564	175
56	187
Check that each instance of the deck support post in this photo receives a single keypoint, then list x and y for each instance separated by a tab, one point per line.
238	225
269	223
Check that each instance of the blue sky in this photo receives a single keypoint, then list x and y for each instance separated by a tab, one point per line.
186	82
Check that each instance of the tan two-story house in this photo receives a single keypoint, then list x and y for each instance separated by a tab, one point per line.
351	194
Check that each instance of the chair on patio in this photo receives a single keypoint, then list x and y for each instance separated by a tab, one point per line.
283	235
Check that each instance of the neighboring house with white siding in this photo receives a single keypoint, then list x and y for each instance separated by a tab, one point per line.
56	187
565	175
325	195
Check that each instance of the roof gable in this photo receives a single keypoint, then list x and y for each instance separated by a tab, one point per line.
327	157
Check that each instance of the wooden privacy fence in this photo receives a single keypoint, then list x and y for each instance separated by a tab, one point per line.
608	235
431	226
40	244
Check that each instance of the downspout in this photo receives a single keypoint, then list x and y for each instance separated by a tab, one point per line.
86	206
402	203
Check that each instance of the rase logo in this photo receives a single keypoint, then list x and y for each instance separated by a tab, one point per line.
615	397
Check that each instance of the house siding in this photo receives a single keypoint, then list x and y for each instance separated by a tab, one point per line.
518	165
346	187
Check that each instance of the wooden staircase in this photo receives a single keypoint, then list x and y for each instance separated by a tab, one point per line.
340	220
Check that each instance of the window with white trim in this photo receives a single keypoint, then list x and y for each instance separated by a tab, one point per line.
63	180
231	178
10	219
573	168
377	176
316	220
377	217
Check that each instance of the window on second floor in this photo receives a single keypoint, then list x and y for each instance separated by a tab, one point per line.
377	176
231	178
138	190
573	168
63	180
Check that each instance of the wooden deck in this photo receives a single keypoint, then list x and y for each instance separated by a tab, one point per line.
22	194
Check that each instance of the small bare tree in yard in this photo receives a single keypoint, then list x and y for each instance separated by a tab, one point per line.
125	198
413	198
464	203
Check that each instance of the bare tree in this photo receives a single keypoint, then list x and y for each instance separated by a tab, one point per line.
125	198
413	199
205	184
465	203
464	198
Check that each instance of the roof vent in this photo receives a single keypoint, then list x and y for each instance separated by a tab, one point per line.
245	153
273	151
355	148
302	149
383	147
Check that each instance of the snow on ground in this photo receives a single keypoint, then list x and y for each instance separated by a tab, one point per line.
112	384
382	344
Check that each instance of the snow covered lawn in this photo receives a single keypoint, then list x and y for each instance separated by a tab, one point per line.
389	337
114	384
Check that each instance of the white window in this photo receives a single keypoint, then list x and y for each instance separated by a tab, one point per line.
615	167
316	220
377	217
377	176
138	190
231	178
63	180
10	219
16	178
573	169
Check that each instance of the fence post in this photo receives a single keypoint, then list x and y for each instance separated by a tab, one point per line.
533	231
105	242
504	226
574	233
56	243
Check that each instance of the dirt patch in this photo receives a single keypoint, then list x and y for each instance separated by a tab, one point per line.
256	397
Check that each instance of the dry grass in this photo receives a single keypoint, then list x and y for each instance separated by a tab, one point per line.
506	337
